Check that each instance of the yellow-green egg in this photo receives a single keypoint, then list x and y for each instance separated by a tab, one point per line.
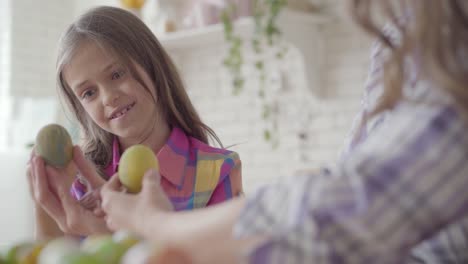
133	165
18	252
54	145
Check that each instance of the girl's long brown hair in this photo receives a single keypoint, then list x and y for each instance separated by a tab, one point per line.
436	30
129	38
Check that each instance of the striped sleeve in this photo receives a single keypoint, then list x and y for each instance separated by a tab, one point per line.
402	185
373	90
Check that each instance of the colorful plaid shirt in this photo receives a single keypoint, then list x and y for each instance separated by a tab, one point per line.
393	189
193	174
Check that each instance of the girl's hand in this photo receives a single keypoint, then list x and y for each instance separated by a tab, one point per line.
51	190
29	171
87	169
129	211
44	226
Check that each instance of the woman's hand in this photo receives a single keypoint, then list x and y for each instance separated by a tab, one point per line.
50	188
129	211
182	236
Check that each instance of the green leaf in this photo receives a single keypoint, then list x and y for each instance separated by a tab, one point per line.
266	111
259	65
238	84
256	45
261	93
267	135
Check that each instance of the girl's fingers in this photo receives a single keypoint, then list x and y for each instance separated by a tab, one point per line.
31	156
78	219
58	182
29	172
87	169
43	195
29	178
70	205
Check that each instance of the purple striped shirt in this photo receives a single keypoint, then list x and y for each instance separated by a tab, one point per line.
451	244
401	181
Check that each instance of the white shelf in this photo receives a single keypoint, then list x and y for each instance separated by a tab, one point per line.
243	26
303	30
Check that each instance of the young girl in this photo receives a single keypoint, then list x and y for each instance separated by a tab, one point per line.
400	186
124	90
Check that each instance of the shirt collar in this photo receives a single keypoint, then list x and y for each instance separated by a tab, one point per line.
173	157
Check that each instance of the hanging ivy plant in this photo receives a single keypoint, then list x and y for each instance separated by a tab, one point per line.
234	60
267	32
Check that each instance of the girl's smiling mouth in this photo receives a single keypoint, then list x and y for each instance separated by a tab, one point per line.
121	111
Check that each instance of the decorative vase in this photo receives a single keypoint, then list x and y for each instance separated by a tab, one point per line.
133	6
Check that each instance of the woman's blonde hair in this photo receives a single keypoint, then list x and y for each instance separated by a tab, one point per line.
131	40
435	30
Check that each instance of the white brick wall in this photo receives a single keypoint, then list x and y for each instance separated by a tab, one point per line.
325	117
34	42
32	85
4	67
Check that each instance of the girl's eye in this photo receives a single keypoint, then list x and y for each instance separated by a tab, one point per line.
117	74
88	94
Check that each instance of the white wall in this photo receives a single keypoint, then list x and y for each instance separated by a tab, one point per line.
324	117
81	6
15	203
5	34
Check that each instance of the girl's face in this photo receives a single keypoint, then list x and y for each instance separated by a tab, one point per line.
114	100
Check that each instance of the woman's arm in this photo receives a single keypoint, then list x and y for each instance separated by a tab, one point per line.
204	234
399	187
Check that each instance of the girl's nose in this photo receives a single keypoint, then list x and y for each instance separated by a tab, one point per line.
110	97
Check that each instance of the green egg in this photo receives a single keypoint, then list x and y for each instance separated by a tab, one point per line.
104	249
54	145
80	258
